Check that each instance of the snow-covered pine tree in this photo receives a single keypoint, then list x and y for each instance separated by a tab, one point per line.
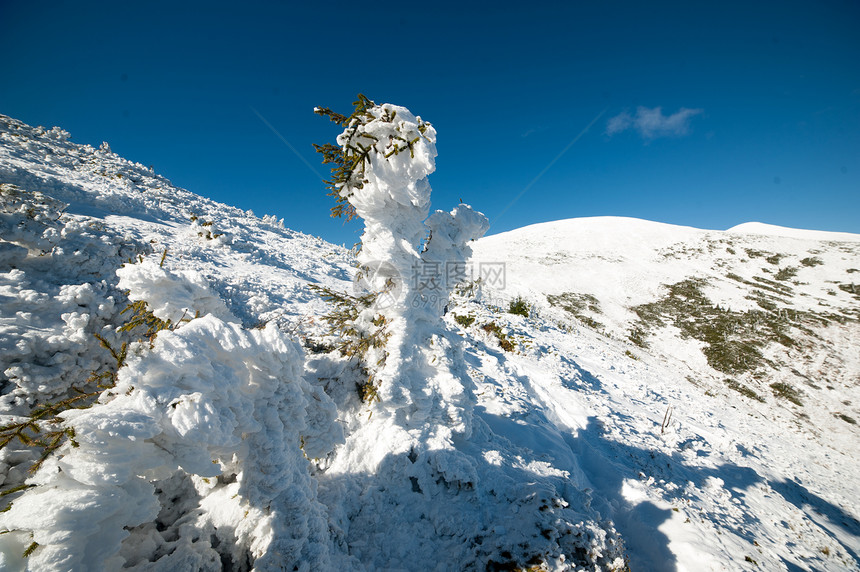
409	261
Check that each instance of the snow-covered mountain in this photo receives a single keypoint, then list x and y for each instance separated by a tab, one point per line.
675	399
722	375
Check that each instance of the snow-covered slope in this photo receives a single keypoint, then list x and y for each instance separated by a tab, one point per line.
722	375
136	481
226	435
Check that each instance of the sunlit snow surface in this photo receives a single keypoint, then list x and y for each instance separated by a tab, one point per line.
729	478
235	443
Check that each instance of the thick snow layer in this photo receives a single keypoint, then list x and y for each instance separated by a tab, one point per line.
210	400
235	440
172	296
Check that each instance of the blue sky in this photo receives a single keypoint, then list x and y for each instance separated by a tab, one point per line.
706	114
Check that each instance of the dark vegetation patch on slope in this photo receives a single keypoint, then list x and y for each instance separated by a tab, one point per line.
733	340
576	305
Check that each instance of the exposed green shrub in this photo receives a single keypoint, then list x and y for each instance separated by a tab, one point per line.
733	339
355	342
576	304
743	390
763	302
733	356
850	288
772	286
519	306
637	335
785	391
142	317
786	273
465	321
44	429
812	261
504	341
367	390
763	284
591	322
350	159
30	549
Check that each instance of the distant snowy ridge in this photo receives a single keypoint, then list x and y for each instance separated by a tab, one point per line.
774	230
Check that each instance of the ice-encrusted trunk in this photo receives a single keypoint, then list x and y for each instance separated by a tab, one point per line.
410	258
408	439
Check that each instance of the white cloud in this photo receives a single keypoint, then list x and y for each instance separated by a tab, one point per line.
619	123
651	123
